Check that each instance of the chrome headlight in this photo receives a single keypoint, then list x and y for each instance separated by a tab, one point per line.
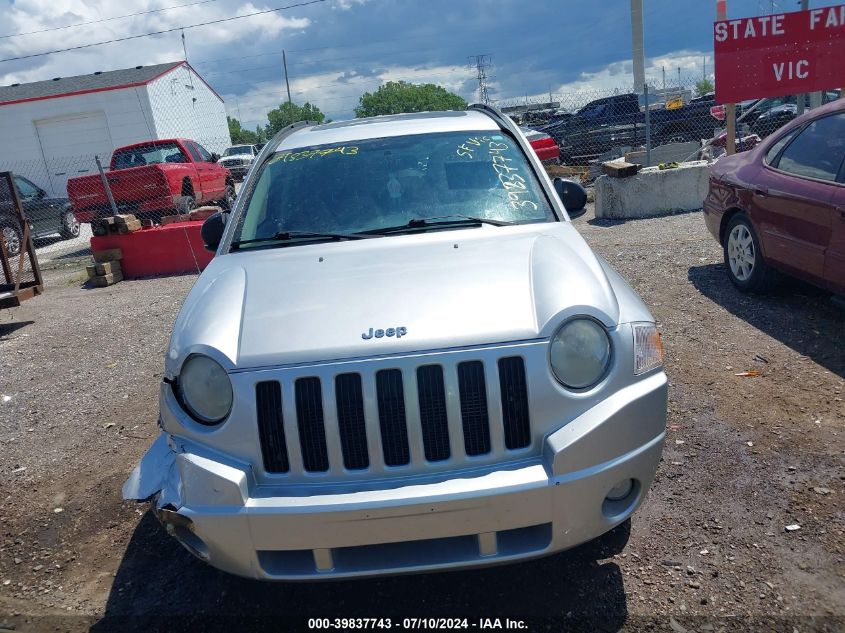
204	389
648	348
580	353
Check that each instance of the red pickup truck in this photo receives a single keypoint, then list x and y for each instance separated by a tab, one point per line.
154	179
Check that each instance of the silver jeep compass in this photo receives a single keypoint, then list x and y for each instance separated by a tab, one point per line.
403	357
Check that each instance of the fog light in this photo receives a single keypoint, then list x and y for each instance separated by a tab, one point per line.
621	490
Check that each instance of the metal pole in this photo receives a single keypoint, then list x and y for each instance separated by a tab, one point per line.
647	127
730	108
637	48
287	84
799	99
106	186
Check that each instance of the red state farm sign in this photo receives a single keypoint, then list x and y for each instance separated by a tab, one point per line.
776	55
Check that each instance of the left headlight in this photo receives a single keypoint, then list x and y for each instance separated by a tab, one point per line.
205	389
580	353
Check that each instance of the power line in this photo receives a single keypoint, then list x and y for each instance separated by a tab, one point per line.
175	28
117	17
481	63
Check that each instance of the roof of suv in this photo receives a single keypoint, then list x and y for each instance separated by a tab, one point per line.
390	125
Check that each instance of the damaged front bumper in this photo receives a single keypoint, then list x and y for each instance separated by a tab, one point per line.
215	507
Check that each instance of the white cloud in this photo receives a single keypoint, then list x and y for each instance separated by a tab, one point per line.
336	93
32	15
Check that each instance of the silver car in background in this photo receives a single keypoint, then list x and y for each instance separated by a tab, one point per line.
403	357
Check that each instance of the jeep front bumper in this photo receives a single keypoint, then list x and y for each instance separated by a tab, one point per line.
214	506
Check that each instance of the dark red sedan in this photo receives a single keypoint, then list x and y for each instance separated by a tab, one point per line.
782	205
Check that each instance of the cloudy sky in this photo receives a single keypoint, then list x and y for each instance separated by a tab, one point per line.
338	49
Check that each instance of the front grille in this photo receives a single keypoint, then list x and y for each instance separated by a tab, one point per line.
376	424
391	415
312	431
271	428
514	402
351	422
474	408
433	421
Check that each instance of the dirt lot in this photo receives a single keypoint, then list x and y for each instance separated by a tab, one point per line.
745	457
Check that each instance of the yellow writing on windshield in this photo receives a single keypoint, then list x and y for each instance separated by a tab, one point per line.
289	157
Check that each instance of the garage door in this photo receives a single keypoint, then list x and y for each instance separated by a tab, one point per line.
69	145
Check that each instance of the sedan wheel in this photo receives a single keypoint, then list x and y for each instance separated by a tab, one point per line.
12	238
70	226
741	252
747	269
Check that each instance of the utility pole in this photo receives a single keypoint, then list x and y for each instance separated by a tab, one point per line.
664	81
481	63
287	83
637	47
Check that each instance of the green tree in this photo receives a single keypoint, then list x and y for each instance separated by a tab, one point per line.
288	113
240	135
400	96
703	87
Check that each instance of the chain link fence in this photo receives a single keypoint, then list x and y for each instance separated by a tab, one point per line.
64	198
64	190
598	124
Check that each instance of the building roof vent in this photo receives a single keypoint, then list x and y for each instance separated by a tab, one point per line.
56	78
13	85
98	72
138	67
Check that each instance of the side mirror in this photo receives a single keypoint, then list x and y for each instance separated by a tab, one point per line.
572	195
212	231
215	157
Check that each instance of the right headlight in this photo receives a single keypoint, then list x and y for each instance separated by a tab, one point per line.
648	348
204	389
580	353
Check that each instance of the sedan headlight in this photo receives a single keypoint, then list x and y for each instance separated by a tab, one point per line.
205	390
580	353
648	348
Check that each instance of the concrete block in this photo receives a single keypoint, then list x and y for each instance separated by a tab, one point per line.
653	192
669	153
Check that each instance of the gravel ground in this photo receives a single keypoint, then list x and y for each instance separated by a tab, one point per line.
745	457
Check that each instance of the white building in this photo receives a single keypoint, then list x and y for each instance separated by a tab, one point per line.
51	130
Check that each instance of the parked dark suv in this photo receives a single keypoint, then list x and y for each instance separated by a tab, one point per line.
47	216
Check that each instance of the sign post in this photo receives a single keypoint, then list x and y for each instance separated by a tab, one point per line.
730	109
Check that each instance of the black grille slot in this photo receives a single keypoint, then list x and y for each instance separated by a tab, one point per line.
350	420
271	427
433	420
514	402
312	431
391	415
474	416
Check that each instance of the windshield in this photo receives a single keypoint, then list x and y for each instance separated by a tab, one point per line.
238	149
386	182
148	155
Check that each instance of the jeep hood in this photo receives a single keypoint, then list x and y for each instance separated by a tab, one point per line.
312	303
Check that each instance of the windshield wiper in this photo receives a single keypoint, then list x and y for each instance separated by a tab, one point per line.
442	221
286	237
